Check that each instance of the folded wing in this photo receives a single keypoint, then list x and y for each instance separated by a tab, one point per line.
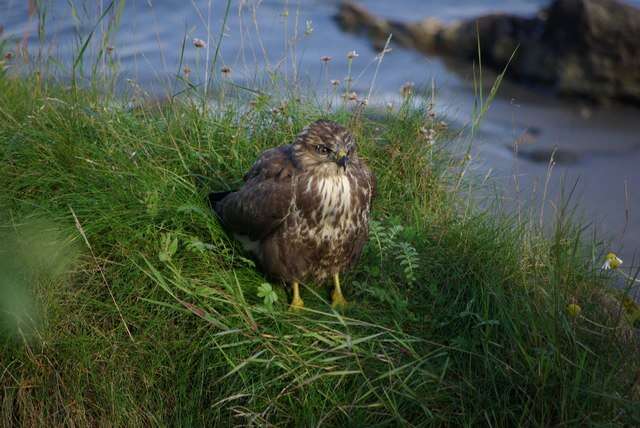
261	205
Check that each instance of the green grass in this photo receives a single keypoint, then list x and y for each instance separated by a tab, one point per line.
143	312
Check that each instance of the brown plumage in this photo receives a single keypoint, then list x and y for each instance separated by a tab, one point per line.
304	208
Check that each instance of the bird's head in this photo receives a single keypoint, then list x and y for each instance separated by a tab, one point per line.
325	146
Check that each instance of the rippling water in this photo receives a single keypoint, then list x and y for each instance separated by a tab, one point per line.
604	142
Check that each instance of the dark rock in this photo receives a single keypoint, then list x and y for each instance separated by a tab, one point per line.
587	48
544	155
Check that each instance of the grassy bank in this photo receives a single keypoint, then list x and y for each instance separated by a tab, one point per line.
130	306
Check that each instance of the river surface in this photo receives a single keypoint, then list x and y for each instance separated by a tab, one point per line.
601	146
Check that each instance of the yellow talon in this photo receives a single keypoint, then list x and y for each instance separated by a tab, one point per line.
337	299
296	302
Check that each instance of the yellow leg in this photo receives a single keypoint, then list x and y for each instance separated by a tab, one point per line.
337	299
296	302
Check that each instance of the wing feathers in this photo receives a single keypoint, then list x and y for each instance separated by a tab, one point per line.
264	201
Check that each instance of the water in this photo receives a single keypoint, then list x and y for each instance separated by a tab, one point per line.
147	47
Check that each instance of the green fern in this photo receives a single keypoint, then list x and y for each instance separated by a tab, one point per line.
409	260
197	246
388	241
169	246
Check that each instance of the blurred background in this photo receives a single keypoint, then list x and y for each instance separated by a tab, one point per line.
151	42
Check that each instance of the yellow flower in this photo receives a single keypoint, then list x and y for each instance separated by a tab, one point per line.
573	309
611	262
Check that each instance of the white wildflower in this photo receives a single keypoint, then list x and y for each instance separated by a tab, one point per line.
407	89
308	27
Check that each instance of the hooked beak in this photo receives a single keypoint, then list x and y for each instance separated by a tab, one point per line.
342	159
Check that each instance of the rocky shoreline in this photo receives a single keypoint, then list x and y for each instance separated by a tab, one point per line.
584	48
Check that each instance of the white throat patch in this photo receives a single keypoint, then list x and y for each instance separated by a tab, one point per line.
333	212
335	195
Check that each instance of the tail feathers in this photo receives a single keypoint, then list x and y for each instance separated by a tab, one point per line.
215	198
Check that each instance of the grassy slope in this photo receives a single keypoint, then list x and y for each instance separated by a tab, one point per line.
474	331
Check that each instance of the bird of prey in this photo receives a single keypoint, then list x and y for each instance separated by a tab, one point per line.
303	211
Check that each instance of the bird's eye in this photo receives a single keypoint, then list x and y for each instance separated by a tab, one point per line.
322	149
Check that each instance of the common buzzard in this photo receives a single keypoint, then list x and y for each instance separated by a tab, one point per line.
303	211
